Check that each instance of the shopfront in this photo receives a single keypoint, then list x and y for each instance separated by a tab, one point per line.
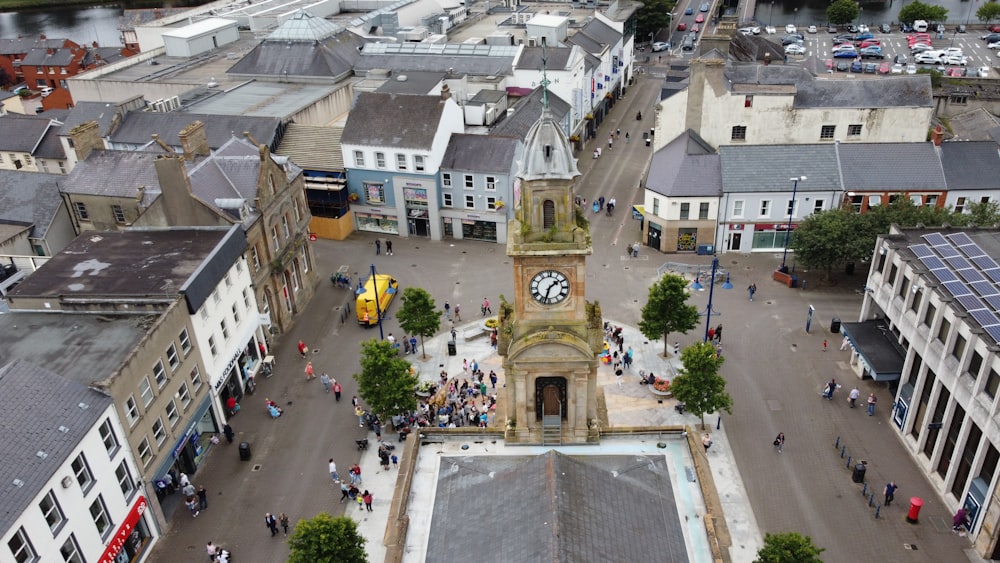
132	537
417	212
376	220
474	228
771	236
188	452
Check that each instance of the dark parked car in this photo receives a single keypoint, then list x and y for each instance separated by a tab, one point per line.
789	39
905	27
871	68
852	28
856	66
831	29
884	28
961	28
900	59
844	66
991	37
863	36
846	54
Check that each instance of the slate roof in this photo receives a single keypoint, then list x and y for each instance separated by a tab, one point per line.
418	83
30	198
556	58
971	165
115	174
527	112
42	57
890	91
595	36
480	153
43	412
137	127
890	166
21	133
82	112
476	65
686	167
767	168
393	120
313	147
546	507
22	45
329	58
753	73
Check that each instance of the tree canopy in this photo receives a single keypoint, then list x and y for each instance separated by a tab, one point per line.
385	381
325	539
988	12
667	310
698	384
917	10
419	315
788	548
842	11
652	17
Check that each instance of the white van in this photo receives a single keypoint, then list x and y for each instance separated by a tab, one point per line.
920	25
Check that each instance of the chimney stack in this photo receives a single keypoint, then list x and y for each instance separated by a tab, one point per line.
86	138
163	145
445	92
937	136
194	142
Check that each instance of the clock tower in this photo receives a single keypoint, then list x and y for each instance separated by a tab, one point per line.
550	336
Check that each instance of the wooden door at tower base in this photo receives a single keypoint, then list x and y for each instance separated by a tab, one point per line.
550	401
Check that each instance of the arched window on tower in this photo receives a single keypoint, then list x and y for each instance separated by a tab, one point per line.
548	214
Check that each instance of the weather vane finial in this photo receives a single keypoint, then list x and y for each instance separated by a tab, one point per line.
545	79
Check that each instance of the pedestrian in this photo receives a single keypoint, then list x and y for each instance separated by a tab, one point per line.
853	397
333	471
388	247
355	401
359	498
890	492
325	380
751	289
486	307
959	520
356	470
718	333
367	497
711	334
627	137
871	404
378	247
228	431
271	523
447	311
192	504
493	379
677	348
413	339
493	338
395	461
406	344
618	376
210	549
627	358
344	491
458	312
779	441
188	490
303	348
844	344
618	133
611	141
360	413
183	480
310	373
706	441
824	345
337	390
377	428
635	249
283	518
202	497
454	334
830	388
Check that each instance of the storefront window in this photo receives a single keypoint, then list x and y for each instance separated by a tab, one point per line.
770	239
479	230
687	239
377	223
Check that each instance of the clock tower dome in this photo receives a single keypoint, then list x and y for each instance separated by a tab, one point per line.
550	335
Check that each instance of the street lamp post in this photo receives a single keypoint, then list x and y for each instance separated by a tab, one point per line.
795	16
711	294
791	211
769	10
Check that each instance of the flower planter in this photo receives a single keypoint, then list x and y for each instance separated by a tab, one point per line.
423	394
659	393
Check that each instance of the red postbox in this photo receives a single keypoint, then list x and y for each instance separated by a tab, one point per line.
916	503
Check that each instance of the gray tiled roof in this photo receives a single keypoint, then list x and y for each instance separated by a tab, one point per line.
330	58
137	126
753	73
890	166
686	167
393	120
22	45
895	91
971	165
767	168
480	153
21	133
313	147
556	508
115	174
455	65
82	112
586	43
556	58
418	83
42	57
43	412
599	32
527	112
30	198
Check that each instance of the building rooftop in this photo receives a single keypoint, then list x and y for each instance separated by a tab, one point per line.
414	82
137	127
313	147
480	153
22	45
22	133
686	167
891	91
971	165
304	46
890	166
44	418
124	174
456	59
526	114
30	198
277	100
391	120
767	168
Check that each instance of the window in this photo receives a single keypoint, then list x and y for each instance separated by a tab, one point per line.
246	298
892	275
491	203
491	183
297	209
99	513
145	391
359	159
960	99
374	193
984	199
212	347
196	381
51	512
275	241
703	210
904	287
942	334
131	411
236	314
470	202
159	374
70	551
255	258
82	471
853	130
215	296
185	341
975	364
748	102
959	348
108	437
931	200
145	452
418	163
790	209
656	206
284	226
959	205
738	208
446	200
400	161
917	298
739	133
295	276
992	384
125	482
380	160
224	327
172	358
21	548
184	395
119	214
469	184
171	410
446	179
304	260
228	279
159	433
765	208
929	315
81	210
827	131
685	211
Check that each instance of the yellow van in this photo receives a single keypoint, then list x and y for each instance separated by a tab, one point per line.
382	285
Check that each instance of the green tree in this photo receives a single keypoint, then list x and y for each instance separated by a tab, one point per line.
917	10
325	539
788	548
385	381
981	214
699	385
667	310
842	11
828	239
652	17
419	315
988	12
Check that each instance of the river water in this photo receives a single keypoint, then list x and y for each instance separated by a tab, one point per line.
814	11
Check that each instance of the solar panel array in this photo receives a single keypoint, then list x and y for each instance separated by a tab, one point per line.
966	272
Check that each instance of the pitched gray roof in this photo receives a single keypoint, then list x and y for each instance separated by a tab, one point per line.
21	45
891	166
115	174
556	58
82	112
686	167
42	57
597	34
895	91
526	113
313	147
21	133
971	165
476	65
393	120
43	412
330	58
546	507
753	73
480	153
30	198
767	168
414	82
137	126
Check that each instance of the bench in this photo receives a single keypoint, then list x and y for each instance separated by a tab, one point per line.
786	279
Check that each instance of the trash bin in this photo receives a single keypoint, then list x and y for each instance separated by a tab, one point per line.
849	269
794	282
649	141
244	451
835	325
452	350
705	249
858	476
913	516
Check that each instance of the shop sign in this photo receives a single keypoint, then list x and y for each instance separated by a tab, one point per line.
474	216
229	368
264	319
124	531
736	226
187	435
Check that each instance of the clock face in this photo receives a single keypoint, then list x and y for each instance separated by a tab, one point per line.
549	287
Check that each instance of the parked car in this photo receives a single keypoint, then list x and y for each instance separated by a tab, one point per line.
984	72
871	54
839	41
770	30
699	18
863	36
885	28
900	59
688	11
750	30
927	59
884	68
795	49
682	26
843	66
829	64
852	28
863	28
856	66
961	28
790	28
953	51
695	28
911	68
994	29
46	90
811	29
991	37
704	7
790	39
955	60
870	43
871	68
844	47
845	54
660	46
897	69
920	48
905	27
831	29
995	45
